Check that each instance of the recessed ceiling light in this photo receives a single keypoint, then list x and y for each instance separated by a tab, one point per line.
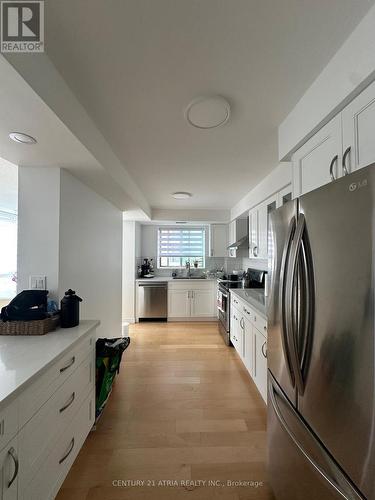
181	195
22	138
208	112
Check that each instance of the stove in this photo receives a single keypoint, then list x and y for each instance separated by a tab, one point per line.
223	297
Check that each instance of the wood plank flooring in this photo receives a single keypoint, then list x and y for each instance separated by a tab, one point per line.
183	412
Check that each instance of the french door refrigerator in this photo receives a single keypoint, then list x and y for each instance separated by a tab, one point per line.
321	401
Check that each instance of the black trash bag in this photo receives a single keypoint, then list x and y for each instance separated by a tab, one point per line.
108	359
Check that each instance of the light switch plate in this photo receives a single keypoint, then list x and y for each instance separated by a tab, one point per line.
38	282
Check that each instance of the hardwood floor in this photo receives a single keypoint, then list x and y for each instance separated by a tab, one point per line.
183	409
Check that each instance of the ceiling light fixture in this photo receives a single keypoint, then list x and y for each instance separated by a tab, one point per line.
22	138
181	195
208	112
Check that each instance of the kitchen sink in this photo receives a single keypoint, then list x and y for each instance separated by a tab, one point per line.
189	277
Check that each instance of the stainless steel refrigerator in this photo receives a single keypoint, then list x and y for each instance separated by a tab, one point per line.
321	350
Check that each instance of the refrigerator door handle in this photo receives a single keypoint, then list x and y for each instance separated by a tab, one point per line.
283	286
291	312
336	478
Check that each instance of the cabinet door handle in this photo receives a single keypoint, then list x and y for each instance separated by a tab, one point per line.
12	453
71	362
255	251
71	446
242	323
2	427
346	154
69	403
265	328
332	164
264	352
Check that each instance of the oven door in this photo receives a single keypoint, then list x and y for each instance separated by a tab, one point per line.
223	312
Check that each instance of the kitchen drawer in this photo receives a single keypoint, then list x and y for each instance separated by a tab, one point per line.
191	285
47	480
260	323
235	302
247	312
8	423
39	435
48	383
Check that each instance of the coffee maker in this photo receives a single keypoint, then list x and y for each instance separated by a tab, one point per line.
145	268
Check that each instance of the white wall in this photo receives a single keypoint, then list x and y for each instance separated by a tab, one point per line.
91	253
350	70
129	250
38	226
74	237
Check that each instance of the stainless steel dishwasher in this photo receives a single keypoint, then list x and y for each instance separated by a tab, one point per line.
152	301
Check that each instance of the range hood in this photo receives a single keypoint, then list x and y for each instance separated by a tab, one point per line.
239	243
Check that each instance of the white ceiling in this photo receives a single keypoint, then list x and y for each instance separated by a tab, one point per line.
136	64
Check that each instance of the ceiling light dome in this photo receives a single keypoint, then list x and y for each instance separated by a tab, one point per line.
181	195
22	138
208	112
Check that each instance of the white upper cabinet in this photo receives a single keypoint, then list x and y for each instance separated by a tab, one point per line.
284	195
253	233
237	230
218	241
318	161
258	227
358	123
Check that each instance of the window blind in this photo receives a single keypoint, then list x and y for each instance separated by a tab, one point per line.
184	242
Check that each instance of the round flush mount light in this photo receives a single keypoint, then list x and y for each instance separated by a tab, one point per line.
208	112
22	138
181	195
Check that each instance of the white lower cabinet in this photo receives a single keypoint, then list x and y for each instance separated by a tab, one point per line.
202	304
191	300
249	342
248	350
178	303
46	482
260	362
50	420
9	468
236	335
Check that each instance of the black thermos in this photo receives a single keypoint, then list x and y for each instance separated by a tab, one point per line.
69	315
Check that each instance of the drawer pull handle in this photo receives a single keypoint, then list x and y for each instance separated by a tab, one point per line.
264	353
69	403
72	361
12	453
71	446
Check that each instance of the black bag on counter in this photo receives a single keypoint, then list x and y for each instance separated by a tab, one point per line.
28	305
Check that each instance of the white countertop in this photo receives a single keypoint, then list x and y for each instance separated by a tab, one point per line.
165	279
23	357
254	297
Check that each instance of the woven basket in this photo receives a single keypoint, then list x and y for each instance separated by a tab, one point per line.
34	327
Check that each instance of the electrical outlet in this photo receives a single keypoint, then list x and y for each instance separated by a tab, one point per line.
38	282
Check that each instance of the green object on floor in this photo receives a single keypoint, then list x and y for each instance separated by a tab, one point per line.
108	359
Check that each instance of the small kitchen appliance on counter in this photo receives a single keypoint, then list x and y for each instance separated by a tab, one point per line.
256	279
69	316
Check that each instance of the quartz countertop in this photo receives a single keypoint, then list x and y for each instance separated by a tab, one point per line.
165	279
254	297
24	357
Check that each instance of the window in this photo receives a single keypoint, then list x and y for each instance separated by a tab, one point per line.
8	255
177	246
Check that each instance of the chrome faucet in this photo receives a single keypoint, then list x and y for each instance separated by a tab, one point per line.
187	265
